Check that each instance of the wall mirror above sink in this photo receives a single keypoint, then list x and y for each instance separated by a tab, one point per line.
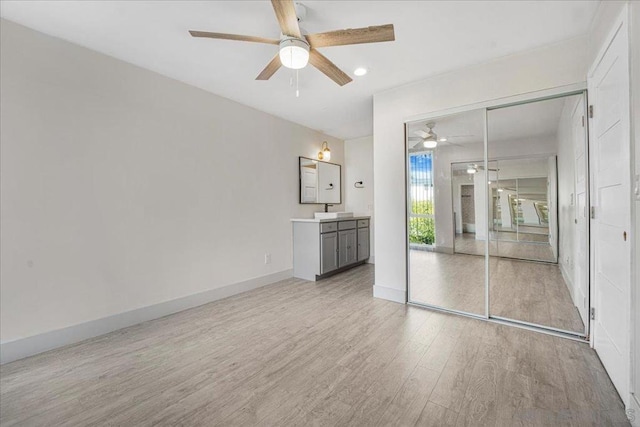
320	182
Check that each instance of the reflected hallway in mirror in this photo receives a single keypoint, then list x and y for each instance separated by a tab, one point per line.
539	149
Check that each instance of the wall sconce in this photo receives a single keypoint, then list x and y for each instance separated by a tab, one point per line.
325	153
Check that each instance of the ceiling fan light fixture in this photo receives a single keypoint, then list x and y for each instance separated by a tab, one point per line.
360	71
430	143
471	170
294	53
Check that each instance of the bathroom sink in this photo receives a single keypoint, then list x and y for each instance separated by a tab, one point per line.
333	215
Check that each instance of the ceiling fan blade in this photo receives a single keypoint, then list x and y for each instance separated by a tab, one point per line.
328	68
414	141
238	37
287	18
270	69
380	33
422	134
450	143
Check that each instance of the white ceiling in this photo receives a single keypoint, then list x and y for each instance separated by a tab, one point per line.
431	37
518	123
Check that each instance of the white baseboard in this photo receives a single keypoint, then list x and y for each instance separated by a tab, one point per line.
371	260
391	294
633	411
21	348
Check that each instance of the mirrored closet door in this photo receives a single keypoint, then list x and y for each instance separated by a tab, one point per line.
497	213
537	188
445	212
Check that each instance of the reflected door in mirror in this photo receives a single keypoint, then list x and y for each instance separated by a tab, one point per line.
320	182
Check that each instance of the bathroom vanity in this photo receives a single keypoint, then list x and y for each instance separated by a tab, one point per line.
322	247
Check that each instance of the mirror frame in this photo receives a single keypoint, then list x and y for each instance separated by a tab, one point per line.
300	182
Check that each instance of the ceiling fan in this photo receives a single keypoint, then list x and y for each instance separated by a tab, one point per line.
430	139
297	49
474	168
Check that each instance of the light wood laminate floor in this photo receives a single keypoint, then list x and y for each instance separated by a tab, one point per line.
528	291
538	251
301	353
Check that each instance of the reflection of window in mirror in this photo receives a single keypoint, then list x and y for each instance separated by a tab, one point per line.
444	205
421	218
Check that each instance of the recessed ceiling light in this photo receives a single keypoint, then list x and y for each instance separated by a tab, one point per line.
443	140
360	71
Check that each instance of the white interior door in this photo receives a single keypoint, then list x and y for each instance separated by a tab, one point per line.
611	198
309	185
581	266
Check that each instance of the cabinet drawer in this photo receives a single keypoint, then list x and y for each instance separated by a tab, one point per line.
346	225
326	227
363	223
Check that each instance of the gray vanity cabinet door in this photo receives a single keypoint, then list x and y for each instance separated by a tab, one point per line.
329	252
347	247
363	243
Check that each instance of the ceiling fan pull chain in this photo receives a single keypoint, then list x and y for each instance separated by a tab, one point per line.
297	85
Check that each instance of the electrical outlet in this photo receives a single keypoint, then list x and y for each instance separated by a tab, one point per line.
267	258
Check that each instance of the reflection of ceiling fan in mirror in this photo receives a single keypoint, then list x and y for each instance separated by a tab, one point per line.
297	49
429	139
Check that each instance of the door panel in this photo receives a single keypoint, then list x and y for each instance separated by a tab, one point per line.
614	208
363	244
329	251
347	247
533	214
447	212
609	92
610	265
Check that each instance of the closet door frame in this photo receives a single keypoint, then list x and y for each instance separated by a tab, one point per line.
486	106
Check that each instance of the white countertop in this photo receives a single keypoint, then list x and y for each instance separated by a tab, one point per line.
353	218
